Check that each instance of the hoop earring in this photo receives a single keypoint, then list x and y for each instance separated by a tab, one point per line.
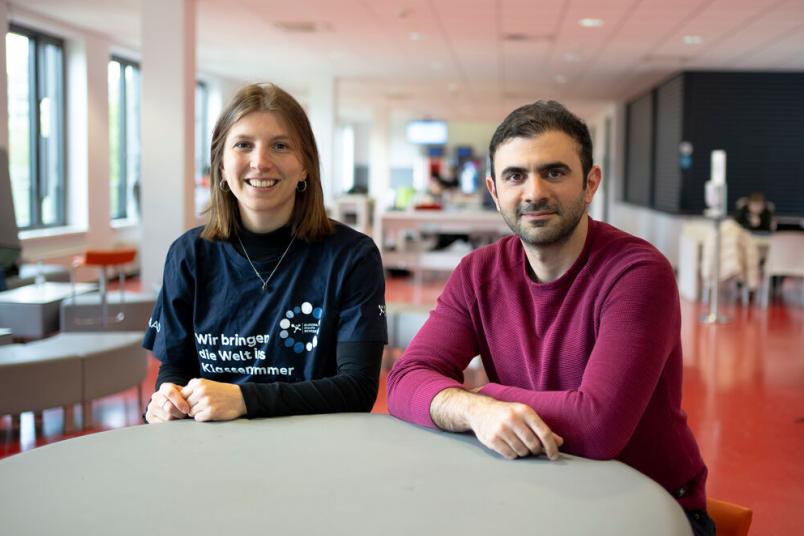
224	186
304	183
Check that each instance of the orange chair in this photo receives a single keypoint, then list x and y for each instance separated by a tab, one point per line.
730	519
103	259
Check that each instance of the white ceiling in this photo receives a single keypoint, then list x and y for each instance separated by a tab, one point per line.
468	59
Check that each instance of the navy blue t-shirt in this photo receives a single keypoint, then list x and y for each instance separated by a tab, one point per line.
211	311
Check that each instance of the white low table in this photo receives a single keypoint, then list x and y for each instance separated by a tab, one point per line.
32	311
129	312
348	474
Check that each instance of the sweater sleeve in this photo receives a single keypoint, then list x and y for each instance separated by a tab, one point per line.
639	328
425	369
352	388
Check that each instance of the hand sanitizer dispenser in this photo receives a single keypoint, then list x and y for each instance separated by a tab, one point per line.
716	192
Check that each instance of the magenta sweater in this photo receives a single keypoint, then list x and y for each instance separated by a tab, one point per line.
597	353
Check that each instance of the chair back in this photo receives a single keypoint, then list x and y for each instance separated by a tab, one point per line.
785	254
404	321
730	519
739	255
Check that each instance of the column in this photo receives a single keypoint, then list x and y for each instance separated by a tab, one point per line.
380	165
322	119
96	100
168	100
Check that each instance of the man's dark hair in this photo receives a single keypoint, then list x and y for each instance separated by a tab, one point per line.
543	116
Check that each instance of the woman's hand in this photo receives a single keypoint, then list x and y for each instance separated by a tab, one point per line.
167	404
213	401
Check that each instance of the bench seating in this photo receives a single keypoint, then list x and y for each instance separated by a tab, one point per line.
70	368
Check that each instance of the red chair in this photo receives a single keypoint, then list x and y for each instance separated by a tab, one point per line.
730	519
103	259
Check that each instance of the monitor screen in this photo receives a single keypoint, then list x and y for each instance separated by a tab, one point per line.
464	151
427	132
435	151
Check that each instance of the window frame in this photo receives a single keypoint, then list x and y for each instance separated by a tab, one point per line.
122	151
38	184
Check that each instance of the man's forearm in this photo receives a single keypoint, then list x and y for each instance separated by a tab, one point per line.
511	429
450	409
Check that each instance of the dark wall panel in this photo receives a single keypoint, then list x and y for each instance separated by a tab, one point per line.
758	118
639	151
669	113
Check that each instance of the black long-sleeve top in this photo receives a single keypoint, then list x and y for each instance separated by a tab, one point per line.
353	388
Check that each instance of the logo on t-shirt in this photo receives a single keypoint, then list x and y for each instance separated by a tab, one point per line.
300	327
154	324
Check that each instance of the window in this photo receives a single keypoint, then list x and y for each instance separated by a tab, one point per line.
35	70
202	140
202	143
124	137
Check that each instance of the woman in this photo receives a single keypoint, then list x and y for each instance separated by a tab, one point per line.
271	308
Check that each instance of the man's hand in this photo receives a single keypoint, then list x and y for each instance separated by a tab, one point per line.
511	429
214	401
167	404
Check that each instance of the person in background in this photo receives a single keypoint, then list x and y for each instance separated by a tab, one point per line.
271	308
577	323
438	190
755	213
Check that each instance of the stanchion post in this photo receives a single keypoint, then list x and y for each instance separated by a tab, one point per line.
717	200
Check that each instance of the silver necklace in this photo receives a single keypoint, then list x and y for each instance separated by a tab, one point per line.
265	287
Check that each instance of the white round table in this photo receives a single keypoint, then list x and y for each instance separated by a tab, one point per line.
350	474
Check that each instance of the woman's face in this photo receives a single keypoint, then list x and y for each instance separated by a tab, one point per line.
262	166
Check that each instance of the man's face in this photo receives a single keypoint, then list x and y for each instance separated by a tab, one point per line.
539	188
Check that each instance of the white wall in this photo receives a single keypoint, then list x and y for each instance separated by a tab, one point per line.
476	134
402	152
221	90
362	143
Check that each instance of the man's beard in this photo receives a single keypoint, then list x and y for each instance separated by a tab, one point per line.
555	230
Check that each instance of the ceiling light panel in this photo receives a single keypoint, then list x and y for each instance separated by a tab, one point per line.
590	22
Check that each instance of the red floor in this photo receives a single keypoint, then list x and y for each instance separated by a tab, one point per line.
743	391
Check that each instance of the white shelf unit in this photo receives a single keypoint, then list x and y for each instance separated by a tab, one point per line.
401	235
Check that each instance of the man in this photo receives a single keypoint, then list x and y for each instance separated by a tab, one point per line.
577	324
